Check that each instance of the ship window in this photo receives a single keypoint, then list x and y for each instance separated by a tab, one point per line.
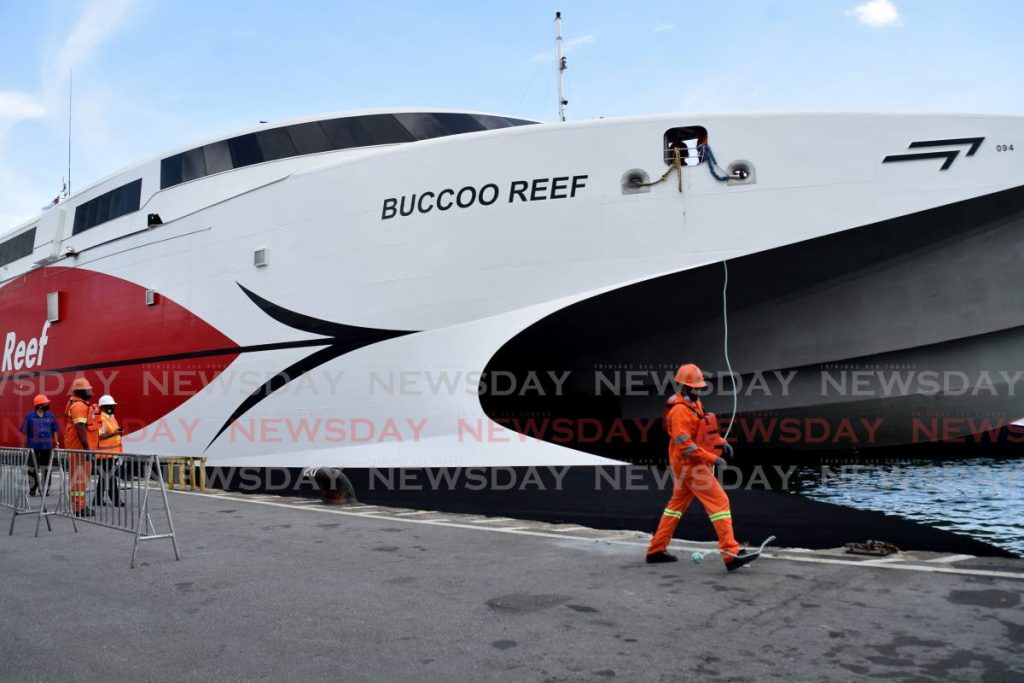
384	129
193	164
17	247
108	206
346	133
423	126
245	151
170	171
218	157
309	138
322	136
689	141
275	144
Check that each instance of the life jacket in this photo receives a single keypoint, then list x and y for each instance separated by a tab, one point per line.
112	441
708	436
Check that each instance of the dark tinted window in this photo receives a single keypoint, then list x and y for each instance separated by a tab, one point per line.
245	151
322	136
17	247
108	206
309	138
170	171
384	129
193	164
218	157
346	133
276	144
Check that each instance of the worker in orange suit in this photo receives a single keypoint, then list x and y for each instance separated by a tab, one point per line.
109	448
81	433
694	449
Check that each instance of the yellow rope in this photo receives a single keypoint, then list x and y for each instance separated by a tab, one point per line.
677	166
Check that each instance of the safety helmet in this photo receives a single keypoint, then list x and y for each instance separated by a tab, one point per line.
690	375
40	400
81	384
106	400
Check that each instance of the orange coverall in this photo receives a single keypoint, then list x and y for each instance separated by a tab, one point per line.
692	436
79	465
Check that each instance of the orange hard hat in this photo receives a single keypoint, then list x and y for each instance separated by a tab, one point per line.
40	400
691	376
81	384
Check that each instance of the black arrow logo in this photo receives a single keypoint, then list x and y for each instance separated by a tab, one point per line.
337	340
949	155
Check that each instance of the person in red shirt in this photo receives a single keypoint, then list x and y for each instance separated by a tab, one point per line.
81	433
694	449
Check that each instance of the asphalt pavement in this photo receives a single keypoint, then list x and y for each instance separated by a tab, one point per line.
276	588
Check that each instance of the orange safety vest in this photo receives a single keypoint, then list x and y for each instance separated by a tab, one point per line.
110	440
701	433
80	412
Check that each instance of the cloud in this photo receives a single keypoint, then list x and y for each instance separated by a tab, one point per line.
98	21
568	46
664	27
876	13
19	106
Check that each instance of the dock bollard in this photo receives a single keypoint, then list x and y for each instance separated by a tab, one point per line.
335	487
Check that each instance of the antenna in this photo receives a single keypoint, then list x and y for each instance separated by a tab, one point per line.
560	58
71	84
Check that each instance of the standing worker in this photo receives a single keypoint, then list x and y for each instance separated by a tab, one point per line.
81	433
693	441
109	450
40	429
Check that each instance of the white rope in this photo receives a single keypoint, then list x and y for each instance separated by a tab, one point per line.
728	364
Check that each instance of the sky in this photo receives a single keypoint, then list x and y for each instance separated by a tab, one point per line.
150	75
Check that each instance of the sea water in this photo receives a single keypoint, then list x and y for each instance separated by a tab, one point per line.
978	497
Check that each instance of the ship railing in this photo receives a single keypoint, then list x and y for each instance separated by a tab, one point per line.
19	469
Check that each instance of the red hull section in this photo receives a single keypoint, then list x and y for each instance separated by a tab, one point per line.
151	358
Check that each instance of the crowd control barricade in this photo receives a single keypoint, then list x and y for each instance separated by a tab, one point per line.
117	491
17	468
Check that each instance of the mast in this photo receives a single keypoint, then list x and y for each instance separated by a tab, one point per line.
71	85
560	58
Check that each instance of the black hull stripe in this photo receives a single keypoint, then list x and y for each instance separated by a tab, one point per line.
207	353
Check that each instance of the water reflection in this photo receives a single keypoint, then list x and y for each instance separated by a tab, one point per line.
979	497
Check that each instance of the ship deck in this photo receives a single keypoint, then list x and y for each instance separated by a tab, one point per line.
271	587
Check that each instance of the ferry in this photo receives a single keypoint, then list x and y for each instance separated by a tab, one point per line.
436	288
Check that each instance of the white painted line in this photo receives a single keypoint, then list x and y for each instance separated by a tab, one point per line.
769	555
563	529
410	514
514	528
492	520
881	561
948	559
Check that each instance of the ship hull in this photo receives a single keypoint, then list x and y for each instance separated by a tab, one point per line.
898	333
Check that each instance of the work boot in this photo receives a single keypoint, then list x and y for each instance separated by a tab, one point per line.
87	512
743	557
655	558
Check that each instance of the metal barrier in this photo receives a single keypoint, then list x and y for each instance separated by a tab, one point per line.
18	466
113	490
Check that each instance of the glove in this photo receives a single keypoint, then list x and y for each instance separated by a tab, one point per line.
727	451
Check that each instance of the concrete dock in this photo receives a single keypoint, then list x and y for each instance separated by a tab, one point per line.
271	587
